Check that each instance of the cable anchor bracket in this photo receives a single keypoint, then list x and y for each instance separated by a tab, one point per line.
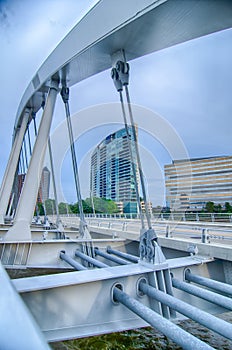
150	251
123	72
116	80
65	94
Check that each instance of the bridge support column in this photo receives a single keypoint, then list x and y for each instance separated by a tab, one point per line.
9	175
20	231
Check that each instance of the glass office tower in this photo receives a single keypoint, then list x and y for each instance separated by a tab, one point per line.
111	170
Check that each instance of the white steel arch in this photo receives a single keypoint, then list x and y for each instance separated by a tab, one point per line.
138	27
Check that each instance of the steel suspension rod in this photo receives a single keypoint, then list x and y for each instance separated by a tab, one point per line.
71	261
89	259
29	140
172	331
119	87
65	97
25	152
35	133
23	162
129	143
138	158
58	221
203	293
53	181
115	259
122	69
35	126
219	286
129	257
215	324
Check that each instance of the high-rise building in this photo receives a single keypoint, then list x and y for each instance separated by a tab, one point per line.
112	172
43	193
190	184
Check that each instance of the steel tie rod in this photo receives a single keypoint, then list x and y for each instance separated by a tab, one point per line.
83	224
71	261
119	88
215	324
127	256
122	68
219	286
110	257
89	259
179	336
203	294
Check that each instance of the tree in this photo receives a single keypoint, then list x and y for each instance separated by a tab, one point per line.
87	208
209	207
62	208
74	208
218	208
111	207
102	205
50	206
40	208
228	207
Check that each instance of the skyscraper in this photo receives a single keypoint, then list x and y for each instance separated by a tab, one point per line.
112	172
43	193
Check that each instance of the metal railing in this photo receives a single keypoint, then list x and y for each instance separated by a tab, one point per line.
204	230
177	216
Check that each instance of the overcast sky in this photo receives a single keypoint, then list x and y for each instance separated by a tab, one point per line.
188	86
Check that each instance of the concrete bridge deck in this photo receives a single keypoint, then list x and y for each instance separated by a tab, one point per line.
177	238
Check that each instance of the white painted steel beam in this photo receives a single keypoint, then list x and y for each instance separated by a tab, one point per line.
20	231
11	168
18	329
79	304
138	27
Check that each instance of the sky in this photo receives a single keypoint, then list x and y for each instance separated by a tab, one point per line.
181	93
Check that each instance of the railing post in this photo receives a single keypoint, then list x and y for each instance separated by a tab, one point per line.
205	236
168	232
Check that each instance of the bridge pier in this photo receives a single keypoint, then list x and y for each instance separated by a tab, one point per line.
20	231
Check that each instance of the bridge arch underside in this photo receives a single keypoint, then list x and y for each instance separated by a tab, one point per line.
137	27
